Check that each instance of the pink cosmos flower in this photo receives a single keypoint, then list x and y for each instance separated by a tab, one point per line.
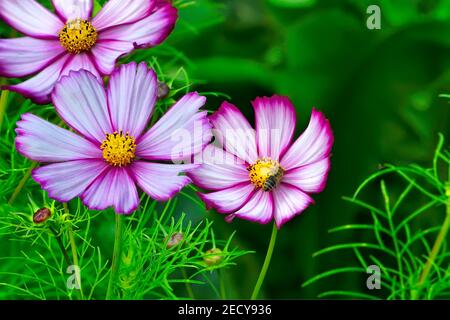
260	175
71	39
111	151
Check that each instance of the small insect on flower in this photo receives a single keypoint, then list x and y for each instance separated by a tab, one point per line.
261	175
112	152
72	39
213	256
41	215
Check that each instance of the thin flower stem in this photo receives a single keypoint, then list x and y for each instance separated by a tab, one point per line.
266	264
188	285
73	247
437	244
61	245
22	183
116	255
223	291
3	104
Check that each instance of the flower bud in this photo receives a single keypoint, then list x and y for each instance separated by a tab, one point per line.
163	90
212	256
174	240
42	215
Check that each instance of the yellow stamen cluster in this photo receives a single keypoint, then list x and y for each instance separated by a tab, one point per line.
119	149
266	173
78	36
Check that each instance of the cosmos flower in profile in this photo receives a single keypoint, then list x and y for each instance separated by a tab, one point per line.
111	151
71	39
260	175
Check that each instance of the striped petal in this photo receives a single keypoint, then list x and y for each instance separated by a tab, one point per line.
219	170
310	178
275	125
73	9
180	133
289	201
67	180
132	94
259	208
313	145
118	12
113	188
228	200
42	141
24	56
30	18
160	181
234	132
81	101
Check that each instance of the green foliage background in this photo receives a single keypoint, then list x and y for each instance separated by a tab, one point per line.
379	88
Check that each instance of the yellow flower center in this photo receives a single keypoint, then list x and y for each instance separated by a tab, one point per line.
78	36
119	149
266	173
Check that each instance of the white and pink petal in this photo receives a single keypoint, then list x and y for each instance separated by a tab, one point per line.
309	178
42	141
179	134
132	94
106	52
81	101
24	56
219	169
147	32
234	133
39	87
67	180
289	201
160	181
118	12
259	208
230	199
313	145
113	188
73	9
275	125
30	18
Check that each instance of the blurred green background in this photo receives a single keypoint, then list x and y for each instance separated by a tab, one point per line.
379	88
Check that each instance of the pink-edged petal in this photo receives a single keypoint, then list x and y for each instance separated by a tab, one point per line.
30	18
313	145
259	208
228	200
144	33
24	56
219	169
132	94
117	12
275	125
67	180
234	132
39	87
289	201
160	181
106	52
81	101
72	9
40	140
310	178
180	133
81	61
113	188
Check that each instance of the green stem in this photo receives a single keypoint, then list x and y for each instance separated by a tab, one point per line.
116	255
21	184
437	244
61	245
223	291
3	104
266	264
73	247
188	285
